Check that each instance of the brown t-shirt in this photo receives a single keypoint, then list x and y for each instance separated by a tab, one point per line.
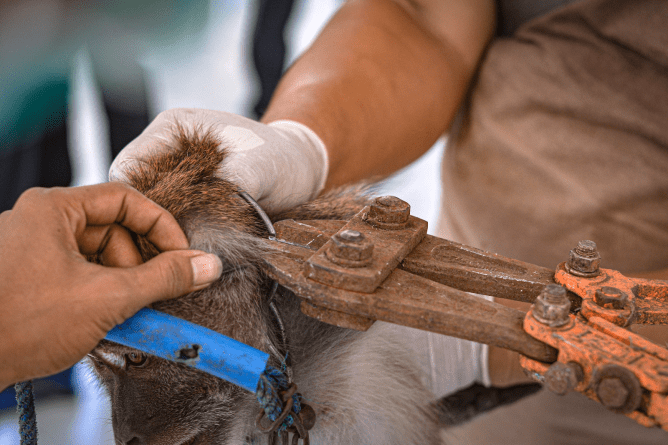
565	137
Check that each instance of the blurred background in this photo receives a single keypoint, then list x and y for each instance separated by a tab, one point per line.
79	80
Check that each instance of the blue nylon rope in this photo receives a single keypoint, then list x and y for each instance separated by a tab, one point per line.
26	408
271	382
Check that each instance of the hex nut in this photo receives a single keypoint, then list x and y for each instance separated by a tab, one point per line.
610	297
552	306
350	236
350	248
388	212
617	388
561	378
584	260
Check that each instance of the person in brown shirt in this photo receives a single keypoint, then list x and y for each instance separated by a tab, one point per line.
556	114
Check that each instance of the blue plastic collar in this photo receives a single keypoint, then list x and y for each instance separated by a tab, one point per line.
180	341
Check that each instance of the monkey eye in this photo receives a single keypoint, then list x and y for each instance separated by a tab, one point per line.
135	359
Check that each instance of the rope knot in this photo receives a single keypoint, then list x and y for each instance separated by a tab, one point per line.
282	405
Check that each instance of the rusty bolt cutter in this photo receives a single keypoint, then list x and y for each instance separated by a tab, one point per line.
382	265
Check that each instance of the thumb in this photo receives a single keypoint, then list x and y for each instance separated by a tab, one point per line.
170	275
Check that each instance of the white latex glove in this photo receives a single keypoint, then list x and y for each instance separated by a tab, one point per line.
281	164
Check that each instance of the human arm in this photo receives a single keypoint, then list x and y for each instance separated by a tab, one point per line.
375	90
56	305
383	81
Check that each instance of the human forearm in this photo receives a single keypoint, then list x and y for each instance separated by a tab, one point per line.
379	86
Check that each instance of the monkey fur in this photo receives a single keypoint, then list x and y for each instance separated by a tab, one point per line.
363	386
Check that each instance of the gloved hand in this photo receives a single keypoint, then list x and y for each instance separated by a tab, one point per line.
280	164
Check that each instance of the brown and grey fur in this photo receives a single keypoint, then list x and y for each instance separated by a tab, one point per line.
363	386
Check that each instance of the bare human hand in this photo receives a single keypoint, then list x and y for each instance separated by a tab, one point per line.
56	306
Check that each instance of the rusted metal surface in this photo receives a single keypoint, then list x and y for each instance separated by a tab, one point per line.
336	318
658	408
590	353
410	300
342	263
618	366
645	302
552	306
610	298
389	213
350	284
562	378
617	388
350	248
477	271
584	260
309	234
620	369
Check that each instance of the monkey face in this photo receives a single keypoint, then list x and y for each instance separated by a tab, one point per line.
158	402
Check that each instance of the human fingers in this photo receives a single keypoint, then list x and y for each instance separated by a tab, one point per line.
105	204
113	243
168	275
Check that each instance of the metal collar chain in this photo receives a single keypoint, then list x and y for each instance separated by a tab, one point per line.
282	356
262	213
304	420
295	420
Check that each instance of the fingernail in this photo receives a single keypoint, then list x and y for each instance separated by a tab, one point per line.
206	269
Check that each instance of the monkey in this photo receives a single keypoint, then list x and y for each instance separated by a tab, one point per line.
363	386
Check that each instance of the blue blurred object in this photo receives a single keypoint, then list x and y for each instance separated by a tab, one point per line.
56	385
38	42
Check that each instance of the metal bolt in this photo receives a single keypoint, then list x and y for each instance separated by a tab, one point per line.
610	297
561	378
350	248
618	388
388	212
584	260
552	306
352	236
612	393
